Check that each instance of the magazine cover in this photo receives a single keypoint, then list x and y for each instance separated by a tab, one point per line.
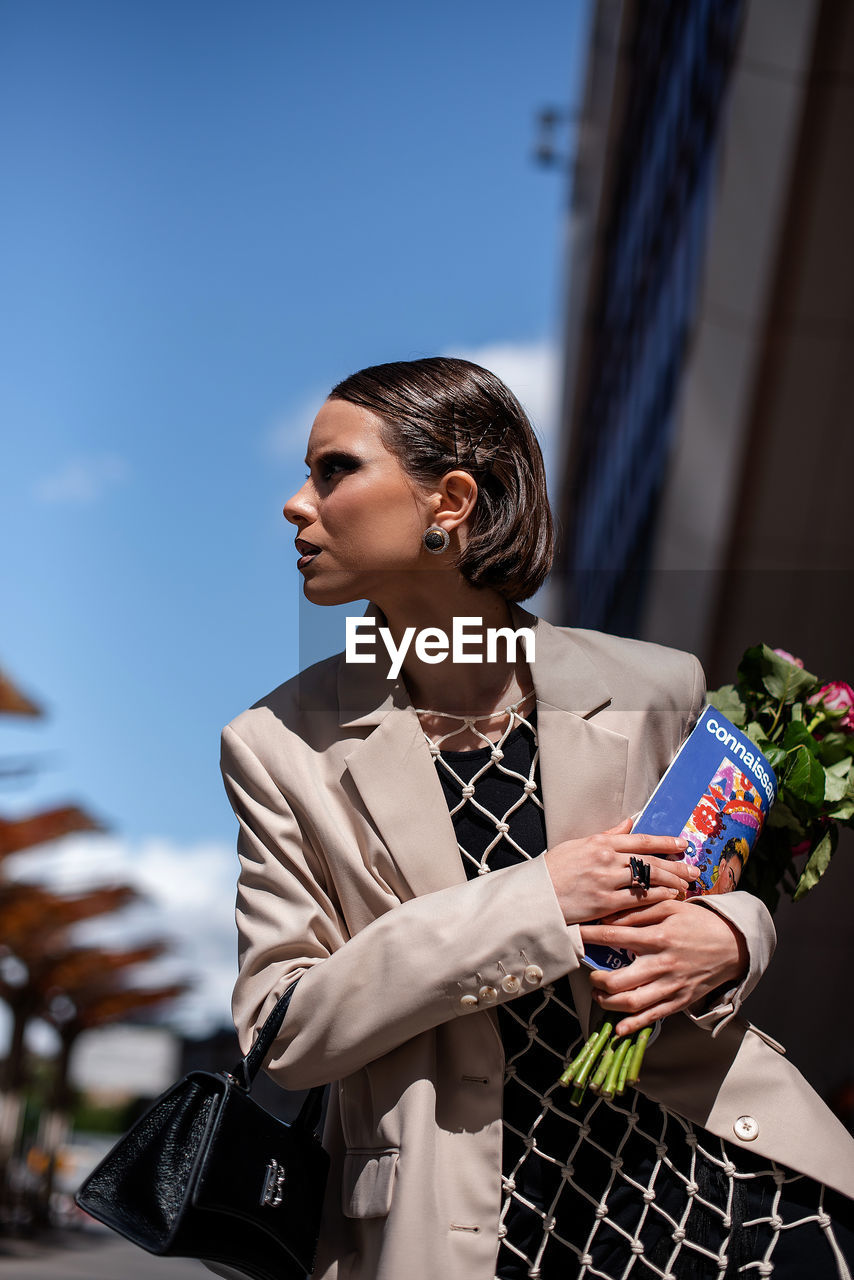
716	795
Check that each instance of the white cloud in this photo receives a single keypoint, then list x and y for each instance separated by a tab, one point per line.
82	481
188	900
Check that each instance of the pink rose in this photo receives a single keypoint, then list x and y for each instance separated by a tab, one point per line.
837	699
788	657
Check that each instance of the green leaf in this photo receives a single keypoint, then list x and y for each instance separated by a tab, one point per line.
837	780
798	735
750	671
803	778
762	668
784	680
819	861
836	746
757	734
774	754
782	816
842	812
769	862
727	701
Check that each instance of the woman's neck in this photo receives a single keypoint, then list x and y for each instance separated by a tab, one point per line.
472	687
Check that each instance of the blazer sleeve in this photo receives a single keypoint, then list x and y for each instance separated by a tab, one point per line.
425	961
743	910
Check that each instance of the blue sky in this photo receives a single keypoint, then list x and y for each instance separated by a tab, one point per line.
212	212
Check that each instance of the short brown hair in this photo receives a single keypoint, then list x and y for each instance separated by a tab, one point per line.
442	414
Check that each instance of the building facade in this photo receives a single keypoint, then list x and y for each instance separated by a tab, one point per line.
668	65
709	378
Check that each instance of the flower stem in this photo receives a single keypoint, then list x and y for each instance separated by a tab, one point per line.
636	1056
601	1071
624	1067
580	1058
595	1042
609	1088
592	1058
776	719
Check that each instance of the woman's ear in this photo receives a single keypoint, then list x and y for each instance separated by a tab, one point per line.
453	500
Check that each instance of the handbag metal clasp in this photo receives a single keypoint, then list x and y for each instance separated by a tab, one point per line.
273	1184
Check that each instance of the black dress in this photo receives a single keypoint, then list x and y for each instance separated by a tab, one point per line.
622	1188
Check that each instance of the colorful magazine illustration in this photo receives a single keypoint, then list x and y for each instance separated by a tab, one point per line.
716	795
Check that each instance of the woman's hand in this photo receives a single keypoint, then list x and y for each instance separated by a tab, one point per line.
591	876
683	952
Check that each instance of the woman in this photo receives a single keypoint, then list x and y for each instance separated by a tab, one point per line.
727	873
390	829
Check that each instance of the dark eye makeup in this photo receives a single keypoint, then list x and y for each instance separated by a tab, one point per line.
335	463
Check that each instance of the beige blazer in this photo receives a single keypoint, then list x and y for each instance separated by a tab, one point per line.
351	879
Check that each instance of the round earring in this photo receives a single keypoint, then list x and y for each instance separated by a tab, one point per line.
436	540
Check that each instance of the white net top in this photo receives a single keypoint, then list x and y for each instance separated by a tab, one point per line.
623	1188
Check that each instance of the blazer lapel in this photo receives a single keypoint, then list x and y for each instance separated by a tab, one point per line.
582	764
396	778
394	774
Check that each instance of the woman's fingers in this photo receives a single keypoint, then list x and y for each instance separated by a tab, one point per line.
637	1021
642	914
665	856
676	875
640	939
616	982
683	953
662	872
642	1004
593	877
640	846
622	828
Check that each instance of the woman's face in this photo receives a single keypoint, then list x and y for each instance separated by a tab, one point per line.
359	517
729	873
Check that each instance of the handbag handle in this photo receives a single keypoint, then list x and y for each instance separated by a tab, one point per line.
247	1068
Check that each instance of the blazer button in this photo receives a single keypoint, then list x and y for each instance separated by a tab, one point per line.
487	994
510	983
746	1128
534	975
468	1001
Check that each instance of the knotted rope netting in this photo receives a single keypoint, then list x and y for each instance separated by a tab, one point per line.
695	1230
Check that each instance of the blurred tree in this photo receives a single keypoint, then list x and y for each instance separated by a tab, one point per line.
25	833
89	997
13	702
34	925
44	974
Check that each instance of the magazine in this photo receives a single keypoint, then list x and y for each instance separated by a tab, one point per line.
716	795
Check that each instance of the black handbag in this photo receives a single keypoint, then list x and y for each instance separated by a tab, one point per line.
207	1173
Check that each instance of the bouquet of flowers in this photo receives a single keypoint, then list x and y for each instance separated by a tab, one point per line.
805	729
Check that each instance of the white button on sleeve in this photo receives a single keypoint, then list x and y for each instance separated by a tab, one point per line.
468	1001
533	975
510	983
487	994
746	1128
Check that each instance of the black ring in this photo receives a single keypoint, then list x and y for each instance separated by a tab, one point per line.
640	873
